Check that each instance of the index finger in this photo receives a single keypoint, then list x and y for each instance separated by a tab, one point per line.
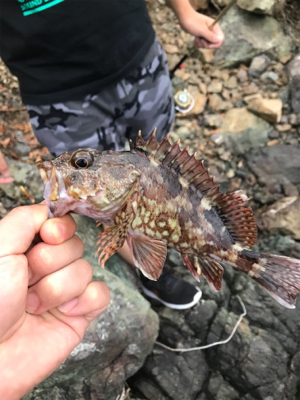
19	227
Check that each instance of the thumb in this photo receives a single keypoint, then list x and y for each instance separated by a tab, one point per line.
212	35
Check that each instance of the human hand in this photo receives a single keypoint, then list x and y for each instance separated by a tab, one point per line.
198	25
42	324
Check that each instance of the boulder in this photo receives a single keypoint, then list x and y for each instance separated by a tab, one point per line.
258	6
293	73
243	130
115	344
247	35
275	165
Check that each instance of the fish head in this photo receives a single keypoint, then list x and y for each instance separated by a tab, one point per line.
87	182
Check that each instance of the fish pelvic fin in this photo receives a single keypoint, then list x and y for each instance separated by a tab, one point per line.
210	269
279	275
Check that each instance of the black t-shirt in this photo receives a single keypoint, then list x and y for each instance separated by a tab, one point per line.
64	49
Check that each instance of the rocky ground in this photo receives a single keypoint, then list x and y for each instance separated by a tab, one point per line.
246	126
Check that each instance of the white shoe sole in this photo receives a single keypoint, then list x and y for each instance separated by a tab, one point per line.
196	299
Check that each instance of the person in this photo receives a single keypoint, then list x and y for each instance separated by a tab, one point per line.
4	171
92	74
47	302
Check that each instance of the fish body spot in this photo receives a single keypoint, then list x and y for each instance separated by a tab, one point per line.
172	223
136	222
152	224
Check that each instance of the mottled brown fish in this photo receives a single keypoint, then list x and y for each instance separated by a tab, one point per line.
157	195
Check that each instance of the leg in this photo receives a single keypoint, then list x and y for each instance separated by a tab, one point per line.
147	96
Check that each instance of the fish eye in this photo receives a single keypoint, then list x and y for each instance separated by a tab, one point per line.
82	159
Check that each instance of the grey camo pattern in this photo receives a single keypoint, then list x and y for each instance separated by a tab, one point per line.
103	121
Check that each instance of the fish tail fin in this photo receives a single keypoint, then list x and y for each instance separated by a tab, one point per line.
279	275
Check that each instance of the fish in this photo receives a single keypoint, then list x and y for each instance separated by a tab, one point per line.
157	195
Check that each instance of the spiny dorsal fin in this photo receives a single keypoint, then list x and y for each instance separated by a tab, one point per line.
237	218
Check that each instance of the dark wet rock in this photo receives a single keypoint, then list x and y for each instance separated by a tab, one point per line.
275	164
293	73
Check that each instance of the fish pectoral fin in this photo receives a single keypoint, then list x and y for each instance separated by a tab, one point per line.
148	255
210	269
110	241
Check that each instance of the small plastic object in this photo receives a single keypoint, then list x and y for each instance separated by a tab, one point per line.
184	101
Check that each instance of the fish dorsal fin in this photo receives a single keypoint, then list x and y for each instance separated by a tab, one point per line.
237	218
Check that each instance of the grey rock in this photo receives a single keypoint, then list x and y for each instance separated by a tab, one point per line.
258	65
293	73
243	130
269	76
275	164
248	35
22	149
258	6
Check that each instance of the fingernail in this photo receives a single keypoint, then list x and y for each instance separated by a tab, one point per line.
61	229
68	306
32	303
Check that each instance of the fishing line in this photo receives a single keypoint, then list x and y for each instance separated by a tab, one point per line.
215	343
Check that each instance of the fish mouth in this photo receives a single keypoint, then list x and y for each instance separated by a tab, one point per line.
55	193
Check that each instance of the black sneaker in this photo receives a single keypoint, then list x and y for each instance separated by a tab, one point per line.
171	291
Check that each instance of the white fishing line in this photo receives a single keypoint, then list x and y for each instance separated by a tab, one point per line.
215	343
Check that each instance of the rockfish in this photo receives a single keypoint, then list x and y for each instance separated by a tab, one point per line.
156	195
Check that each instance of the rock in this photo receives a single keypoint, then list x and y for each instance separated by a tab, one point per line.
248	35
199	4
206	55
258	65
217	104
171	49
293	73
244	130
250	89
213	120
258	6
275	165
269	76
268	109
223	3
284	215
215	86
217	138
231	83
242	75
283	127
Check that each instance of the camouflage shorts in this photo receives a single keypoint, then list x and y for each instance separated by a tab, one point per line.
141	101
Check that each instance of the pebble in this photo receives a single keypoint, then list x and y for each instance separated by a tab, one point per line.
230	174
231	83
269	76
215	86
217	138
283	127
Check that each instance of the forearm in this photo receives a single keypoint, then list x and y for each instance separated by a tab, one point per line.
182	8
